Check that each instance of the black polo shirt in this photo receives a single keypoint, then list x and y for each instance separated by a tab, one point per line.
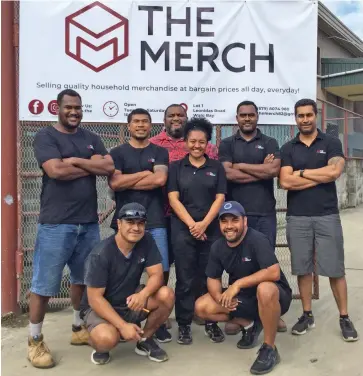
197	187
67	201
107	267
250	256
256	197
321	199
130	160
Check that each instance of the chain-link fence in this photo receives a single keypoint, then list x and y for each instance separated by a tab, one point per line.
29	189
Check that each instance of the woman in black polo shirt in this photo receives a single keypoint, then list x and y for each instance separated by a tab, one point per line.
196	191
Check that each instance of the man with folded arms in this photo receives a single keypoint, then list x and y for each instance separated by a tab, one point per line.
115	302
258	293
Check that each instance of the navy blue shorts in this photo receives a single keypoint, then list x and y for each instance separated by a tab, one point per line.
248	306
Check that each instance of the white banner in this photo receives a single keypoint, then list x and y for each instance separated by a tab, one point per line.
208	55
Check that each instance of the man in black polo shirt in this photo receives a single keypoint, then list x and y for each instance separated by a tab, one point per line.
114	302
70	158
311	163
252	160
141	170
258	291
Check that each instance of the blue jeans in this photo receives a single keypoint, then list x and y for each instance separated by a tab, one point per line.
161	239
57	246
266	224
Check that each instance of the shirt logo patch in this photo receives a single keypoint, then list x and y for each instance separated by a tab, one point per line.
141	260
260	147
321	152
210	174
151	160
90	147
245	259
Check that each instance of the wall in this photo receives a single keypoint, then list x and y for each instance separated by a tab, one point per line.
350	184
329	48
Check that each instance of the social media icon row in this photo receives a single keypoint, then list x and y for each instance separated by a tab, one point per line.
36	107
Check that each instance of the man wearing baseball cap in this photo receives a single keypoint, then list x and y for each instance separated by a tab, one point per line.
258	293
114	302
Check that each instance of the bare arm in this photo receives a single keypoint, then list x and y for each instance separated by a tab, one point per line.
179	209
138	301
97	165
236	175
270	274
155	280
119	181
155	180
261	171
103	308
215	288
57	169
326	174
292	182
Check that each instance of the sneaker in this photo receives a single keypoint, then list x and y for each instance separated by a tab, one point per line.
38	353
305	322
232	328
185	335
100	358
214	332
80	335
148	347
162	334
348	330
267	359
250	336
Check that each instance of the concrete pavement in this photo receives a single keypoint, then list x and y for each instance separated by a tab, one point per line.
321	352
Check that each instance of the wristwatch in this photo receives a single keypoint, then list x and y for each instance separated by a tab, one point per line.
302	173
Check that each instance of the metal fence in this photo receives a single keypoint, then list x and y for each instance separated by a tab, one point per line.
29	188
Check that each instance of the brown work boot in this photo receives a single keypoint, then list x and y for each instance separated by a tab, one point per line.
231	328
80	335
281	326
38	353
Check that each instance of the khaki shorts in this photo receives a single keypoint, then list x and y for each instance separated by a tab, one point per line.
92	319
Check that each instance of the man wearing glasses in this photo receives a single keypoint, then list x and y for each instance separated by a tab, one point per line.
114	302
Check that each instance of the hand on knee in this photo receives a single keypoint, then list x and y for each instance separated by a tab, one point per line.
267	292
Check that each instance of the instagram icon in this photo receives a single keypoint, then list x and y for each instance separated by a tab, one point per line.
53	107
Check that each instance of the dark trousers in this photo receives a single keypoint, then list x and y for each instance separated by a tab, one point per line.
266	224
191	259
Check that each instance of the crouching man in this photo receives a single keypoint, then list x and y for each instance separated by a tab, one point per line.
258	293
114	303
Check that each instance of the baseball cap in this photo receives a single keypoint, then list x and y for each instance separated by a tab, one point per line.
232	207
132	210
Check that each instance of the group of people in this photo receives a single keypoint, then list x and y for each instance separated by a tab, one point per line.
181	200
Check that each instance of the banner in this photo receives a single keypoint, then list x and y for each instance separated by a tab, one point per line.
207	55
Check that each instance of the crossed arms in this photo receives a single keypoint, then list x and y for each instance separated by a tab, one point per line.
292	181
144	180
247	173
74	168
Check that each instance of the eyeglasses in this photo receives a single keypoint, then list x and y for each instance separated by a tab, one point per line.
133	214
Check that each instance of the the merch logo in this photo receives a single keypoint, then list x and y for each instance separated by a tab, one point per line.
97	36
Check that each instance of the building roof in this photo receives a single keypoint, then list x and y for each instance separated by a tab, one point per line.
340	33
